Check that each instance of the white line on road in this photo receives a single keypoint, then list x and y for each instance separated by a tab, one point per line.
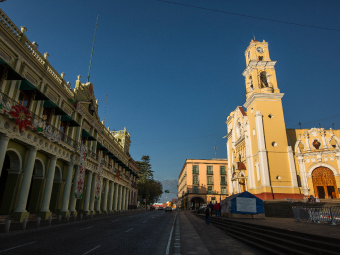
145	221
169	242
128	230
17	246
86	228
92	250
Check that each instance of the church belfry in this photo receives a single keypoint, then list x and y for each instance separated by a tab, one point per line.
259	74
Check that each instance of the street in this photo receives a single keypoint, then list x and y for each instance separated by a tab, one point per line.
137	233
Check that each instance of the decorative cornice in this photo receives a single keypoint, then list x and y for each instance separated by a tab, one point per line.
263	96
253	64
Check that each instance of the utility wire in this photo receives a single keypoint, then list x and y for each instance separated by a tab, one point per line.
189	138
248	16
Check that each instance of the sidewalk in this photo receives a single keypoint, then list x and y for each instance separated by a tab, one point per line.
319	229
202	239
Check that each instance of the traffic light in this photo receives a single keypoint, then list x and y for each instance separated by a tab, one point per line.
166	191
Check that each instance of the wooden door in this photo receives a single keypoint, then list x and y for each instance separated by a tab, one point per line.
323	179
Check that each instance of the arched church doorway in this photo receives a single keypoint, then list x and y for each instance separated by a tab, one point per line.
196	202
324	183
3	177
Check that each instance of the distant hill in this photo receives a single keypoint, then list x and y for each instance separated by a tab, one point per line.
170	185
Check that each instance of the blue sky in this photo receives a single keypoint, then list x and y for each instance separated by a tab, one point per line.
174	73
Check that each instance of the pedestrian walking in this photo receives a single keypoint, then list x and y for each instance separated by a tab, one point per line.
217	209
211	207
207	215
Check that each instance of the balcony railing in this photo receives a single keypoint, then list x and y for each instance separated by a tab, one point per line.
223	172
223	183
37	124
195	171
210	172
210	182
196	182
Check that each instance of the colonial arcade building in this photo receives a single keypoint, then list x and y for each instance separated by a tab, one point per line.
56	156
267	159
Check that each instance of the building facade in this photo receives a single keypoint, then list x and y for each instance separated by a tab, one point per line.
56	156
202	181
267	159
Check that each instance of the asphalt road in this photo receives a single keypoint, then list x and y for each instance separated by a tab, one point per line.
136	233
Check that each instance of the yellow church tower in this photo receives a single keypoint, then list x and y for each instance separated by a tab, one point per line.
263	158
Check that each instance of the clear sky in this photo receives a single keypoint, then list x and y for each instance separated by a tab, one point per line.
173	73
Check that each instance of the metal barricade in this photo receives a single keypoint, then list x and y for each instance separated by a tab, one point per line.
300	213
335	213
320	214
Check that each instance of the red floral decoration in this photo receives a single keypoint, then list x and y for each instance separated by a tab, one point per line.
316	144
23	117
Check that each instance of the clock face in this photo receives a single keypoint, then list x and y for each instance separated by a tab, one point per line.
259	49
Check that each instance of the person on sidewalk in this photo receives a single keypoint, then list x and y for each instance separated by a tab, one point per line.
217	209
211	207
207	212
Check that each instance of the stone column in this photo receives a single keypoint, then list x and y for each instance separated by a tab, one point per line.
127	199
115	204
98	201
3	147
120	198
105	195
123	198
111	197
67	189
93	191
292	167
73	199
20	212
88	191
45	206
303	176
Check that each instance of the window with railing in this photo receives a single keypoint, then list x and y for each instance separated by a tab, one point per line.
24	99
195	179
223	180
223	190
210	190
222	170
209	170
195	189
210	180
195	169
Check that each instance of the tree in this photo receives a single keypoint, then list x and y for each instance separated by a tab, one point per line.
145	171
148	188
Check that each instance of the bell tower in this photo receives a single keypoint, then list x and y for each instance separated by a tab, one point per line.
273	170
260	76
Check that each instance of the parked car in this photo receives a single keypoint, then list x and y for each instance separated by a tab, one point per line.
160	208
168	209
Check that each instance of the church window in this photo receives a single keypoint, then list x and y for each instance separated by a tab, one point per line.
254	132
270	116
24	99
260	58
274	144
263	78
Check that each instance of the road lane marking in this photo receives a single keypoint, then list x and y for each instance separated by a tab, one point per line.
169	242
145	221
128	230
17	246
92	250
86	228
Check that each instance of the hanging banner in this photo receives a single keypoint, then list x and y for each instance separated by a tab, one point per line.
99	177
81	172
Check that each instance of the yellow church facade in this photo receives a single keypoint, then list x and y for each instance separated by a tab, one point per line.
267	159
